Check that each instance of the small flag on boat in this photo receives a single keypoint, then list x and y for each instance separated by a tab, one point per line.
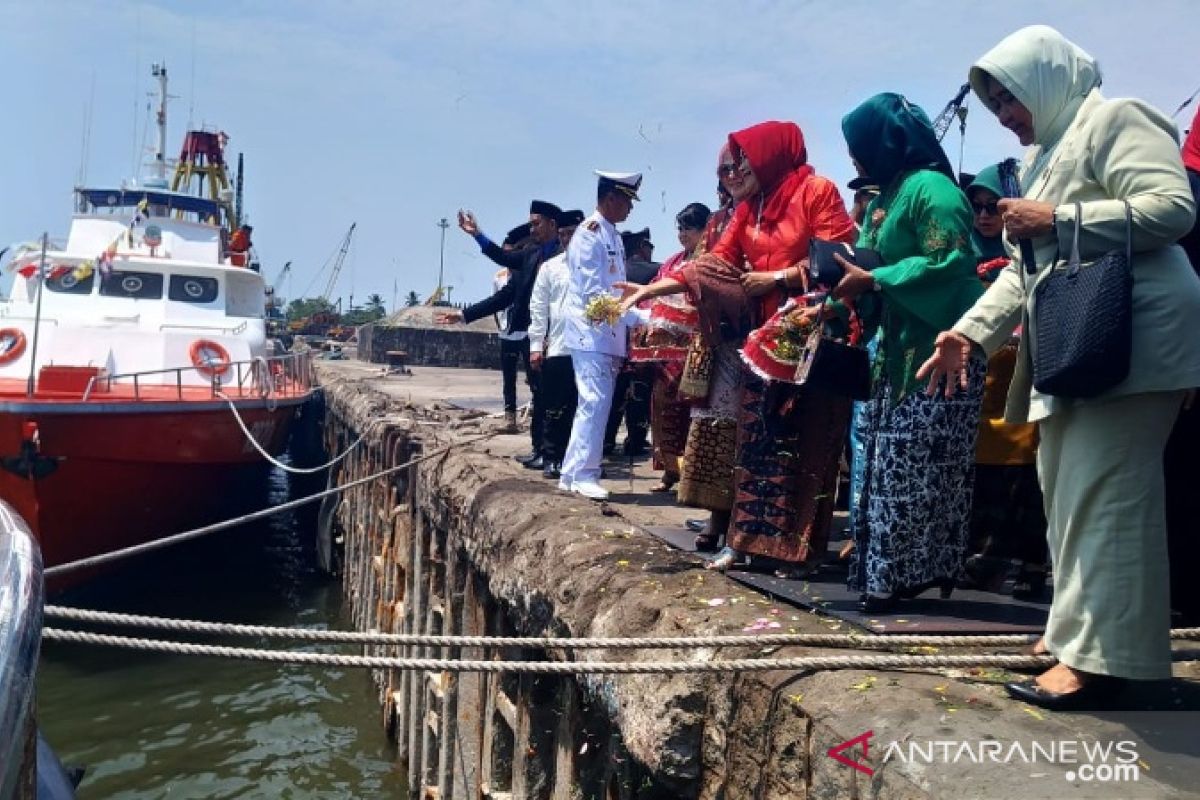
104	262
139	216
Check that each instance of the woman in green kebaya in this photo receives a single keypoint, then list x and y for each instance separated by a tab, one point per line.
916	499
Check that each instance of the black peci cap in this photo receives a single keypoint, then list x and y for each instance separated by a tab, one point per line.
517	234
568	219
548	210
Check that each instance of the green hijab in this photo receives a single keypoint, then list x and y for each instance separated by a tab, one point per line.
889	136
987	247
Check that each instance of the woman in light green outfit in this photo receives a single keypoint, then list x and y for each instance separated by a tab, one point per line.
1100	460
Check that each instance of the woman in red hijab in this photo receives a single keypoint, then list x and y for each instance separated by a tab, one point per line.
1181	470
780	494
1191	160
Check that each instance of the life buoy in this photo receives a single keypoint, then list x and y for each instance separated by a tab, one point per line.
12	344
209	357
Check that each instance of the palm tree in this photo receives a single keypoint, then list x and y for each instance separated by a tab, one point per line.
375	306
413	299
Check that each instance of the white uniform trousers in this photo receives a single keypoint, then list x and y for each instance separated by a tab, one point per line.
595	379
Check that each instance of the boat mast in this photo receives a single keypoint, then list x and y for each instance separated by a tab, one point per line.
160	156
237	201
37	315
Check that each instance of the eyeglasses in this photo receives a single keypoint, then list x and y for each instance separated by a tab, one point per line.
992	208
728	169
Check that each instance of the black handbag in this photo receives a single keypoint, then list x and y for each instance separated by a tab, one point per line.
1083	321
824	270
834	367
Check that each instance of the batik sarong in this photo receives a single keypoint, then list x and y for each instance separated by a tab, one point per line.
790	442
916	496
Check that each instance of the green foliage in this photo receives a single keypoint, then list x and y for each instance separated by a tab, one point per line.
375	305
307	306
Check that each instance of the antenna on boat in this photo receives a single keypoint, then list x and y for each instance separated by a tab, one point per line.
85	144
237	197
159	71
137	101
192	88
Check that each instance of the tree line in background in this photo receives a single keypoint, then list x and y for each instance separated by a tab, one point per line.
309	307
372	310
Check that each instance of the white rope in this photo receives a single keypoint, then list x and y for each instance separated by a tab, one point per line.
890	661
267	382
276	462
196	533
852	640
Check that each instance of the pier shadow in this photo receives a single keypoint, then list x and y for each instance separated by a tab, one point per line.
825	592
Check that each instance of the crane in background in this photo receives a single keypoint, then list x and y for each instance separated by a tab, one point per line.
275	318
326	320
338	260
957	107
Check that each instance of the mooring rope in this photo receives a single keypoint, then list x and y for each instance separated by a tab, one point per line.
196	533
888	661
279	464
852	640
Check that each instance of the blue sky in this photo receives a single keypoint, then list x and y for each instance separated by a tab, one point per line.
396	114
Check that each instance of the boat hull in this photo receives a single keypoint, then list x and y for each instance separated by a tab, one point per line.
112	477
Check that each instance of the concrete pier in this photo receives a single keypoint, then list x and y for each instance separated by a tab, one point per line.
470	542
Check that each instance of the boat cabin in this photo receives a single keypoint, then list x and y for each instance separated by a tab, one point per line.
141	279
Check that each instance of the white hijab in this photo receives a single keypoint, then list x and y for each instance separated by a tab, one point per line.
1049	74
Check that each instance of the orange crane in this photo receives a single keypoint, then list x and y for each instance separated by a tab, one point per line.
322	323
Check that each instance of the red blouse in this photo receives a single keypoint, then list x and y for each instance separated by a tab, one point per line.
815	209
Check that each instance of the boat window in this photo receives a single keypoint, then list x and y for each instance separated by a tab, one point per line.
66	283
137	285
192	289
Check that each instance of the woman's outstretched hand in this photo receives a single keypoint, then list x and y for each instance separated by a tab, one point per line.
951	352
631	294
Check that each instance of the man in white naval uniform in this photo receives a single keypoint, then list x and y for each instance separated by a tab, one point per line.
596	261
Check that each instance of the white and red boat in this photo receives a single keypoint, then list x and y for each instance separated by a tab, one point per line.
124	353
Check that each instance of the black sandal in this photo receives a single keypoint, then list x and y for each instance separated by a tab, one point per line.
708	542
984	573
1030	585
665	484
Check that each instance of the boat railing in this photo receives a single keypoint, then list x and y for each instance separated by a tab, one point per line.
20	641
6	309
234	331
272	377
